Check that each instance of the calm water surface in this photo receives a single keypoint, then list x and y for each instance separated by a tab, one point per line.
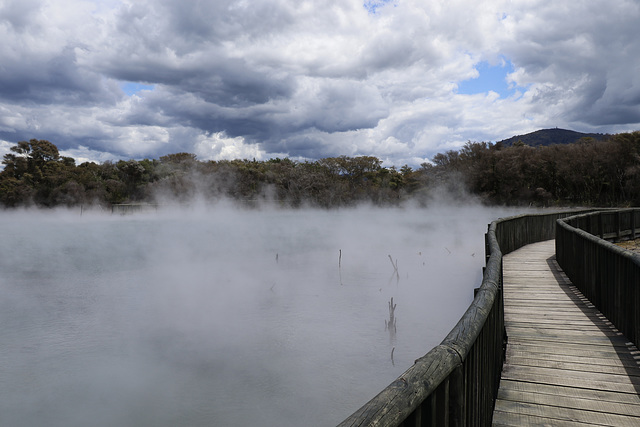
222	317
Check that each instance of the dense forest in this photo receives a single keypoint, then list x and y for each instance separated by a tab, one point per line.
590	172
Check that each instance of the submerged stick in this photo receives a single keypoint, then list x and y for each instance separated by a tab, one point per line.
395	268
395	265
392	362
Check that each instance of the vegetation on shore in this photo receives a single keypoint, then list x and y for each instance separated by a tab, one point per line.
590	172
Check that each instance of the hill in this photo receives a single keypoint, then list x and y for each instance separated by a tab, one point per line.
551	136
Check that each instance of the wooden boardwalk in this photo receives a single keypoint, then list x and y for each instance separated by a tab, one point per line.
566	364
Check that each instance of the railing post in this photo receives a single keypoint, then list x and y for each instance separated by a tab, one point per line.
601	225
457	406
442	410
487	251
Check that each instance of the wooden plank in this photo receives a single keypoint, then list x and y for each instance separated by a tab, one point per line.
505	419
585	329
572	322
580	343
525	315
553	345
513	354
586	404
572	392
574	365
543	294
569	349
542	338
532	312
549	335
512	371
570	382
551	323
539	308
536	294
582	324
549	305
567	414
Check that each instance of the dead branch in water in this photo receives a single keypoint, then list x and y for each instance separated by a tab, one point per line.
392	319
395	267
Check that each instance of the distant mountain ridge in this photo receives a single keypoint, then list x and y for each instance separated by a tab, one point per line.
551	136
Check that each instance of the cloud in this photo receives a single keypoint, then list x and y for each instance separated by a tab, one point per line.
311	80
586	64
5	147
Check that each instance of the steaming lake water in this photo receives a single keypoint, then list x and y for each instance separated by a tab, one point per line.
223	317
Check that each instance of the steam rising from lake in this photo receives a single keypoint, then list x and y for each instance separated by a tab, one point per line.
221	316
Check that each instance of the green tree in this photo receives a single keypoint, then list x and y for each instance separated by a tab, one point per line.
14	192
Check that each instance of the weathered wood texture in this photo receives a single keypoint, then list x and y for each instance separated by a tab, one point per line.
566	364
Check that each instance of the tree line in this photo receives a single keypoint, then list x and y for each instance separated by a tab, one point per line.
587	173
590	172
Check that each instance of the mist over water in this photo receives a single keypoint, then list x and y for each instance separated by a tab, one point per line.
223	316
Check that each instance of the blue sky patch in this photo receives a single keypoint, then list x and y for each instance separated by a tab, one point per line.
491	78
373	5
131	88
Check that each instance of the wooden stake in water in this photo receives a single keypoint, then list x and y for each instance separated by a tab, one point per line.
340	266
391	324
392	318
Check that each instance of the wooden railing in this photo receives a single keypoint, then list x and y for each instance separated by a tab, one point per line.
455	384
608	275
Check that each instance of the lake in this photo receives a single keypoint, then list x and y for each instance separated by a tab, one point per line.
222	316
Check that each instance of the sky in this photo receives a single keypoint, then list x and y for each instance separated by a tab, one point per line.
401	80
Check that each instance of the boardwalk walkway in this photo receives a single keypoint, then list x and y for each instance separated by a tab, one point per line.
566	364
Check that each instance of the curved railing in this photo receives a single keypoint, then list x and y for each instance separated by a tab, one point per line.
456	382
608	275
